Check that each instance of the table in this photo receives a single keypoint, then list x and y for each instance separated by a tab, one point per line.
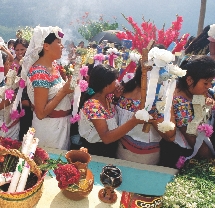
139	178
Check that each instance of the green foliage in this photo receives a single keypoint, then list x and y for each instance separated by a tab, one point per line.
10	33
194	186
91	28
26	32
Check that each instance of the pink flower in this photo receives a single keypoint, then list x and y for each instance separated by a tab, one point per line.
4	128
21	83
84	71
180	162
9	94
99	57
83	85
22	113
14	114
206	128
75	118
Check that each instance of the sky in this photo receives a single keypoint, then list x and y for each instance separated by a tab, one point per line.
159	11
64	13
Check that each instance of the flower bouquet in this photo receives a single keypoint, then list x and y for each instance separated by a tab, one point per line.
74	179
67	176
66	70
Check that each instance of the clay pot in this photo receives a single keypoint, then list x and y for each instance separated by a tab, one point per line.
80	159
85	187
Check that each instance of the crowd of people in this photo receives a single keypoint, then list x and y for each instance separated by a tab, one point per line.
108	126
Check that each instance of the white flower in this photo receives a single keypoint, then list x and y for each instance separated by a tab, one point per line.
55	30
166	126
143	115
134	57
112	51
211	32
160	57
175	70
128	77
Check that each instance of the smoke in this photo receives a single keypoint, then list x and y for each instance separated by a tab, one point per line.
65	13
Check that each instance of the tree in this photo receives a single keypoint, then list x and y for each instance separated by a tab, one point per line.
202	16
89	28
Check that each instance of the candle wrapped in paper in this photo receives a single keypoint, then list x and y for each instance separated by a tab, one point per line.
26	168
27	141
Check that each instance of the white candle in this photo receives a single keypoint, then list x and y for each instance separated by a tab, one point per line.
27	140
26	169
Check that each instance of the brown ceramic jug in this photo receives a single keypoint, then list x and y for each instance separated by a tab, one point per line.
80	159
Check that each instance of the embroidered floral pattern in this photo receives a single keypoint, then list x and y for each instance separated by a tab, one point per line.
93	109
183	111
134	105
129	104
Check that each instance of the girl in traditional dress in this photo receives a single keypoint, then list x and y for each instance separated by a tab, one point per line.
49	94
20	47
98	119
136	145
198	78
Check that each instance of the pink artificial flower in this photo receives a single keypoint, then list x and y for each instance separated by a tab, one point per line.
84	71
83	85
9	94
75	118
4	128
180	162
14	114
206	128
22	113
99	57
21	83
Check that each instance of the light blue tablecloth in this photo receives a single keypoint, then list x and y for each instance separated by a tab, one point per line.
133	180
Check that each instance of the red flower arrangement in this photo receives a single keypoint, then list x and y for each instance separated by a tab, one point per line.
10	143
67	175
141	36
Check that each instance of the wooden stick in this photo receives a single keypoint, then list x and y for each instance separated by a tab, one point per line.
145	69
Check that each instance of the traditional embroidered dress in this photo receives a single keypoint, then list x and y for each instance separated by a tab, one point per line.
52	132
171	151
13	126
184	113
93	109
136	146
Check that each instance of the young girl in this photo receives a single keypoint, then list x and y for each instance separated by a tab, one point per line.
98	123
200	73
136	145
20	47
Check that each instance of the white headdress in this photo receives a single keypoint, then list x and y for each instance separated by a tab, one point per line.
36	46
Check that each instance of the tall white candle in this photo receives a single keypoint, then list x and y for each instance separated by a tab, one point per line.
26	169
27	140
